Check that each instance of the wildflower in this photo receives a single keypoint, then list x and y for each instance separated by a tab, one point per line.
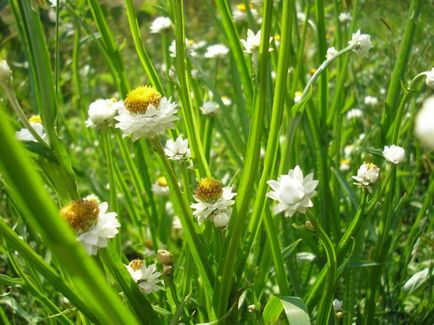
361	43
430	78
366	176
190	46
394	154
239	13
53	3
147	277
344	165
424	124
354	113
297	96
209	108
344	17
226	101
160	187
216	51
165	257
337	305
252	42
331	52
102	112
146	113
371	101
292	192
36	123
160	24
178	149
213	202
5	71
91	222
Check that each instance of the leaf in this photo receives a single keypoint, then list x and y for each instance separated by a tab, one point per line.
294	307
6	280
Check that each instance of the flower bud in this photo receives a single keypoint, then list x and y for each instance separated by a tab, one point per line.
430	78
221	220
165	257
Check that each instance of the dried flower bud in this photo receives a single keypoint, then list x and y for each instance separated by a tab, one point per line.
168	270
165	257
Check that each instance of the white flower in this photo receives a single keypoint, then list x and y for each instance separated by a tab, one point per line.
424	124
36	124
5	71
239	13
216	51
331	52
209	108
251	44
430	78
297	96
366	176
190	47
361	43
292	192
305	256
371	101
354	113
418	279
146	114
160	187
337	305
160	24
394	154
226	101
147	277
344	165
102	112
53	3
178	149
344	17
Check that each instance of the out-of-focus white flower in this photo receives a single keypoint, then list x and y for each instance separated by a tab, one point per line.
337	305
354	113
297	96
417	280
361	43
394	154
102	112
91	222
252	42
209	108
293	192
239	13
5	71
160	24
36	123
348	150
331	52
160	187
226	101
178	149
53	3
430	78
190	47
344	17
216	51
366	176
213	202
371	101
345	165
146	277
305	256
146	114
424	124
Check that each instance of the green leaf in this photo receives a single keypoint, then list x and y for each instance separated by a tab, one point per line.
294	307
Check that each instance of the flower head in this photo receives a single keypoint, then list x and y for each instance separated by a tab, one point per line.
102	112
178	149
252	42
371	101
293	192
367	175
209	108
216	51
344	17
91	222
160	24
146	114
36	123
424	124
331	52
239	12
5	71
430	78
394	154
361	43
160	187
354	113
337	305
147	277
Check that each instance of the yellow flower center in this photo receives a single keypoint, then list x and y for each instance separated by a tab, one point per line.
312	70
277	37
298	94
209	190
241	7
81	215
139	99
35	119
136	264
161	181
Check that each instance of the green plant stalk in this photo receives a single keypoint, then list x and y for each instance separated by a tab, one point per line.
140	49
322	50
187	108
400	67
209	124
249	171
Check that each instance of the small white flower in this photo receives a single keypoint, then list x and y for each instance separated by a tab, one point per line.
424	124
361	43
430	78
371	101
239	13
226	101
146	277
160	24
394	154
331	52
297	96
5	71
209	108
102	112
216	51
160	187
146	114
190	47
178	149
252	42
337	305
344	17
292	192
345	165
36	123
354	113
366	176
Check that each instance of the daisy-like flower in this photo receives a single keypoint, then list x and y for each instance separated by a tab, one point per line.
102	112
424	124
209	108
371	101
91	222
252	42
239	13
344	17
430	78
354	113
5	71
331	52
216	51
293	192
178	149
160	24
366	176
146	277
361	43
36	123
146	113
160	187
394	154
213	202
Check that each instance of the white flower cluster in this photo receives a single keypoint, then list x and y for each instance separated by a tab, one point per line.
361	43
